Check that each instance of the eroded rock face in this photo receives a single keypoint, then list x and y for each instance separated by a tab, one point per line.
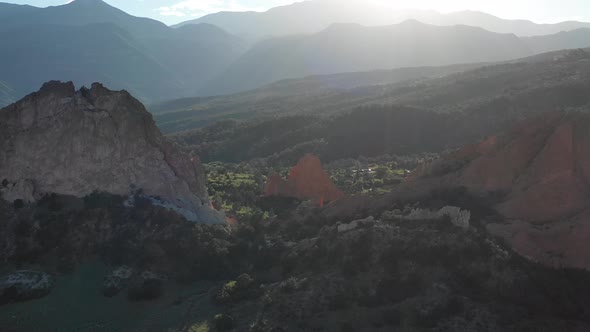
76	142
541	171
307	180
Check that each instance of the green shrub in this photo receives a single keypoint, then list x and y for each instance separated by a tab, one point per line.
223	323
18	204
200	327
235	290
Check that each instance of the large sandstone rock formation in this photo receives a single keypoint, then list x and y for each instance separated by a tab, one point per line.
540	171
307	180
59	140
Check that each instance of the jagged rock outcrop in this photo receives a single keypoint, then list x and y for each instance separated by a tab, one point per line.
307	180
455	215
59	140
540	174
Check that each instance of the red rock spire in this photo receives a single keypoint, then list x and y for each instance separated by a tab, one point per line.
307	180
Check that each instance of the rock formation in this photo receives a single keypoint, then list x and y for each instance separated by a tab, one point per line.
455	215
540	171
307	180
59	140
24	285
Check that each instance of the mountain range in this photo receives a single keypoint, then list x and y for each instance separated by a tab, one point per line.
352	47
88	40
311	86
320	14
415	203
511	89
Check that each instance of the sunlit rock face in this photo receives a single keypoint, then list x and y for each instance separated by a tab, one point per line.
541	172
307	180
59	140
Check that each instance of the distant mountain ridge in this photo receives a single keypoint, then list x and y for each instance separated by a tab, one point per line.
319	14
316	85
141	55
76	13
88	40
352	47
578	38
516	88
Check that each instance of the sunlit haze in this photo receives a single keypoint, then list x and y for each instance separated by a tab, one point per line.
294	165
174	11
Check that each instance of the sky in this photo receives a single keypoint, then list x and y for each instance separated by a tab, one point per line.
175	11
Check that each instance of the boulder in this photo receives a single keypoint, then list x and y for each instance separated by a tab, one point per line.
116	281
24	285
342	228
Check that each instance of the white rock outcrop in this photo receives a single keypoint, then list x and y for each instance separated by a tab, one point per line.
458	217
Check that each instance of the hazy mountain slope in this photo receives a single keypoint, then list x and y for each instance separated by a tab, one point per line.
8	9
554	81
519	27
353	80
141	55
557	80
318	93
78	12
430	116
579	38
349	47
319	14
112	56
316	84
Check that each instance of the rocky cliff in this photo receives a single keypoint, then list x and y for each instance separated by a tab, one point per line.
307	180
59	140
539	174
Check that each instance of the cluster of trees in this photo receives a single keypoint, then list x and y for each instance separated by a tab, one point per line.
371	131
236	188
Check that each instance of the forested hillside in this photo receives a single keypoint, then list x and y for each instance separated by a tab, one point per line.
515	89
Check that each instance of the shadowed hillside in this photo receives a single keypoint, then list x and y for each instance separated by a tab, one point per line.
515	89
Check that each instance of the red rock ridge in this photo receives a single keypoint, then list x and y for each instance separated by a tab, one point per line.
542	170
307	180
